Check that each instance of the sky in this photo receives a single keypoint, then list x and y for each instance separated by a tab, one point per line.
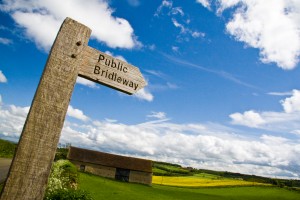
223	87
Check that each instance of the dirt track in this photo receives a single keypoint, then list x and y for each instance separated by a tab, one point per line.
4	167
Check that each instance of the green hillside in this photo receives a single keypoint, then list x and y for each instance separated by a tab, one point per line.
7	149
102	188
168	169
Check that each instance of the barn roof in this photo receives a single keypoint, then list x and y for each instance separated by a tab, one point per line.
110	160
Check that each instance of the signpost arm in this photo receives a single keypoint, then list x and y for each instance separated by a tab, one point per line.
29	172
111	72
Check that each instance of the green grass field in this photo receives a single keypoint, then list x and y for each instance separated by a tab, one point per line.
102	188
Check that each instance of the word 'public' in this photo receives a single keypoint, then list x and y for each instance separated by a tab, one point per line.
118	65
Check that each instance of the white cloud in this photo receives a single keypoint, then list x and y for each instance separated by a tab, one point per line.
163	87
201	145
205	3
116	56
185	30
178	19
177	10
223	74
157	115
111	120
144	94
5	41
197	145
76	113
19	111
297	132
178	25
41	20
12	119
156	73
167	85
164	4
197	34
168	6
175	49
3	79
270	26
280	93
159	74
42	29
292	104
224	4
172	86
287	121
86	82
248	118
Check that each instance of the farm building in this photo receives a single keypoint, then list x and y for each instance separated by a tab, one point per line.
122	168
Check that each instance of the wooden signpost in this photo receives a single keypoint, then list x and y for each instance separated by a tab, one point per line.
69	57
102	68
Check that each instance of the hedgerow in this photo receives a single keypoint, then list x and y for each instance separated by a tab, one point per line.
63	183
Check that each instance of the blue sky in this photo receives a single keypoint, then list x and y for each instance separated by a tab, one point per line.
223	79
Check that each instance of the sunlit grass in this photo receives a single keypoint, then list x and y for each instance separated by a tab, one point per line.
102	188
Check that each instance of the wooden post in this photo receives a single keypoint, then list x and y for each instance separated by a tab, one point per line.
29	172
69	57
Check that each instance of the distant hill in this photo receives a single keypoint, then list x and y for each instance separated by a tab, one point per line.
168	169
7	149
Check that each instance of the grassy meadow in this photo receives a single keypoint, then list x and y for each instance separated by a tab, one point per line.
102	188
173	182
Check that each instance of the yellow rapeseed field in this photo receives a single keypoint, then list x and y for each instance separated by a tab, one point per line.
197	181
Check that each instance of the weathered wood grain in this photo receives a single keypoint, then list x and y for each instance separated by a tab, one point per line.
119	75
69	57
32	162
